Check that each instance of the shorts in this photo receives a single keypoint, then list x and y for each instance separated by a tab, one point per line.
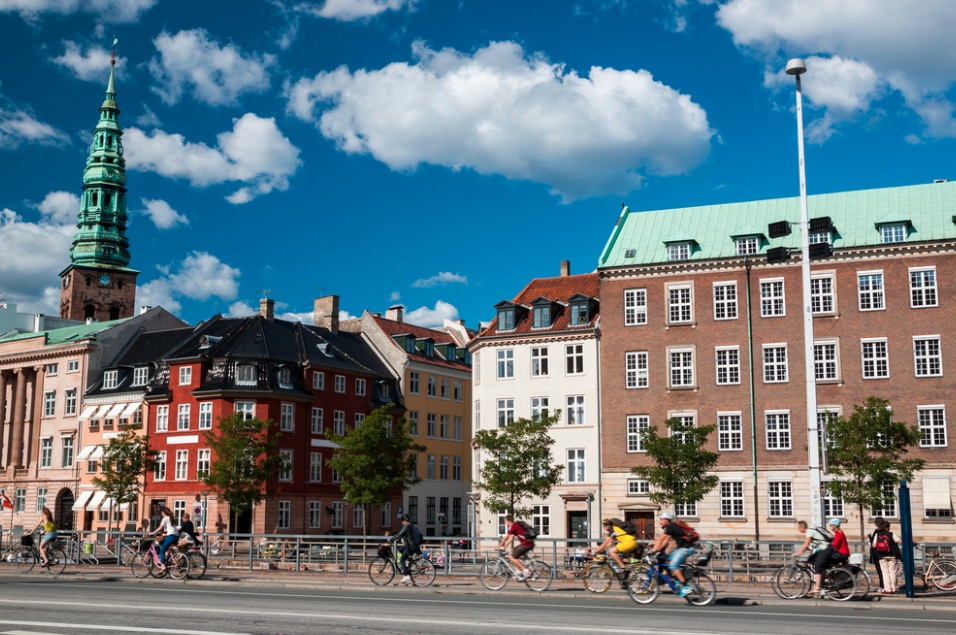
49	536
627	546
677	557
520	550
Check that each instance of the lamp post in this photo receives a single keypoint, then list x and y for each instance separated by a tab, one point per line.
205	522
797	67
473	498
590	497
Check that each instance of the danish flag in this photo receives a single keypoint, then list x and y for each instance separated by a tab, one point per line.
7	503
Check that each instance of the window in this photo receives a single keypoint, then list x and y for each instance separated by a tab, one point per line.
443	468
539	407
459	390
285	514
284	377
73	365
506	412
182	465
780	499
203	460
889	508
315	467
679	305
772	301
413	508
41	498
456	469
432	386
725	301
430	466
46	452
923	287
205	415
576	472
636	425
821	294
338	422
140	375
337	511
430	509
66	452
635	369
539	361
870	290
832	504
318	380
443	427
413	378
579	314
728	366
541	519
816	238
182	417
185	375
386	515
574	356
774	363
685	510
826	366
679	251
541	316
748	245
937	499
51	370
246	375
69	401
681	367
110	378
730	437
247	408
318	426
932	426
635	307
336	477
506	364
286	417
445	388
162	418
413	423
876	359
159	471
49	403
576	410
431	431
285	472
731	499
506	319
414	464
895	233
927	358
638	487
315	514
778	430
340	383
685	420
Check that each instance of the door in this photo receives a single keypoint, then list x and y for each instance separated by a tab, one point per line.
578	525
644	521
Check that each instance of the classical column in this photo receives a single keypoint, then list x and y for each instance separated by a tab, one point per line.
32	433
3	411
19	415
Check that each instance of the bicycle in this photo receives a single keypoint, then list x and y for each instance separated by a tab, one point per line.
197	561
860	576
797	579
495	573
29	555
146	562
126	550
643	586
381	570
597	576
939	572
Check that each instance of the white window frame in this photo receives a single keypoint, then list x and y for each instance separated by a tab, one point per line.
893	233
286	417
875	358
539	361
540	407
774	365
778	430
727	365
414	382
205	415
46	451
732	502
247	408
573	359
110	379
318	380
162	418
678	251
931	421
826	360
340	384
159	471
930	360
638	487
725	301
681	367
315	467
49	403
285	469
635	307
576	411
576	465
541	519
140	375
635	370
871	291
315	514
680	303
181	469
182	416
747	245
730	432
338	422
773	298
823	300
506	363
284	518
634	426
318	421
185	375
203	461
242	370
780	499
69	402
924	287
360	386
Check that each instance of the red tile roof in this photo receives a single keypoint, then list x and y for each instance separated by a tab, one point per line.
557	289
393	327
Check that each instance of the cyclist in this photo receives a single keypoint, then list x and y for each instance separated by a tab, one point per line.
671	530
837	552
49	533
171	536
514	530
187	533
411	539
626	542
814	541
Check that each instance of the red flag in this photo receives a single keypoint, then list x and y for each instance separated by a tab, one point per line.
7	503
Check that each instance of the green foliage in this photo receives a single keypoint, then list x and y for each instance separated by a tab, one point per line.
869	451
126	460
681	469
245	460
517	463
375	459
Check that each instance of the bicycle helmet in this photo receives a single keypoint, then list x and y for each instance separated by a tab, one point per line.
834	521
667	516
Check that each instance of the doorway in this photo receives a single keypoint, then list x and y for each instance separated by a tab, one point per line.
644	522
63	510
578	525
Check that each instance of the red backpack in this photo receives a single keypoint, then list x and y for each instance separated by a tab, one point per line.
690	534
882	543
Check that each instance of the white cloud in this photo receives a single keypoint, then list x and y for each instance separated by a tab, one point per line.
148	119
906	46
200	276
349	10
106	10
213	73
254	152
443	277
33	254
395	296
60	208
19	126
432	318
501	111
162	214
88	64
244	309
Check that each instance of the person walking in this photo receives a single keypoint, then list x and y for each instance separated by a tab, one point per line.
888	551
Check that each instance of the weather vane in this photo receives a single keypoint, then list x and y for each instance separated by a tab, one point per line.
113	54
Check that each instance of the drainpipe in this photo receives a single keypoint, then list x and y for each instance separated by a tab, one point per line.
753	414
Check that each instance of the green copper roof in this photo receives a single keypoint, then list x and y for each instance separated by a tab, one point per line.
67	334
641	238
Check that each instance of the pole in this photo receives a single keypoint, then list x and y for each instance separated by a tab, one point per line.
753	403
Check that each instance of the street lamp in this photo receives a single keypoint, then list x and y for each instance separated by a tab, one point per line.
797	67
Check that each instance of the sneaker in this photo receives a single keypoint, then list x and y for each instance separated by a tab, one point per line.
406	579
685	590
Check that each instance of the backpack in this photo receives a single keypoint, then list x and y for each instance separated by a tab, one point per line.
820	538
881	542
415	536
826	533
690	534
529	532
629	527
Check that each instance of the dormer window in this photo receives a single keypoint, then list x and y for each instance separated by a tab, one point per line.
246	375
678	251
579	313
747	245
542	316
285	377
409	344
426	346
140	375
384	392
506	319
450	352
110	379
893	233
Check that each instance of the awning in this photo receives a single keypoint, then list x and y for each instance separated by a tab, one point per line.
85	452
88	412
123	506
97	453
107	504
115	410
936	493
102	411
130	409
80	502
97	499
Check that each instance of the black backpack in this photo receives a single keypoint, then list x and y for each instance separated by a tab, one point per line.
415	537
529	532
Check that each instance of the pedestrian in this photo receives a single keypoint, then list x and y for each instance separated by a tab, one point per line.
874	556
888	551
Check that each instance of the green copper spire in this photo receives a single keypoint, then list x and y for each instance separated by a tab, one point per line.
100	241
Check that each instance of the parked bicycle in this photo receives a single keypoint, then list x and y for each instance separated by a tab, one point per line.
644	585
938	572
495	573
381	571
598	575
146	563
796	580
29	555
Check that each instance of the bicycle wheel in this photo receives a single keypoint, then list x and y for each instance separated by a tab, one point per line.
942	575
177	565
540	577
704	590
494	575
862	580
126	554
642	585
56	560
422	571
839	584
791	582
25	560
381	571
596	578
197	564
142	565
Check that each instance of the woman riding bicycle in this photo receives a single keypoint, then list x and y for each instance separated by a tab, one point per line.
49	533
171	533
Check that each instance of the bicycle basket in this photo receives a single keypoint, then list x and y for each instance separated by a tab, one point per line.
384	551
703	558
26	540
143	545
856	559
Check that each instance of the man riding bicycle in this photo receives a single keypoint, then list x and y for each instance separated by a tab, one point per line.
670	530
618	533
514	531
411	538
837	552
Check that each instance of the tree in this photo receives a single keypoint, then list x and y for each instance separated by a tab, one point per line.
245	461
868	453
682	467
374	459
518	463
126	460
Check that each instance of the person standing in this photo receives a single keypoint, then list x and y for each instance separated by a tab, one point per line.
888	551
874	556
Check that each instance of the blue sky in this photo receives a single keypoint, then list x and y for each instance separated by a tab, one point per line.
440	153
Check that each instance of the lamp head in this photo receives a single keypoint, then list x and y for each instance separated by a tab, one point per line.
796	66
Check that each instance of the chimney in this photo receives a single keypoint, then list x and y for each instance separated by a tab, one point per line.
565	268
145	309
325	312
267	308
395	313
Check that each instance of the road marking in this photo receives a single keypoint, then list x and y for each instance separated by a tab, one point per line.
100	627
